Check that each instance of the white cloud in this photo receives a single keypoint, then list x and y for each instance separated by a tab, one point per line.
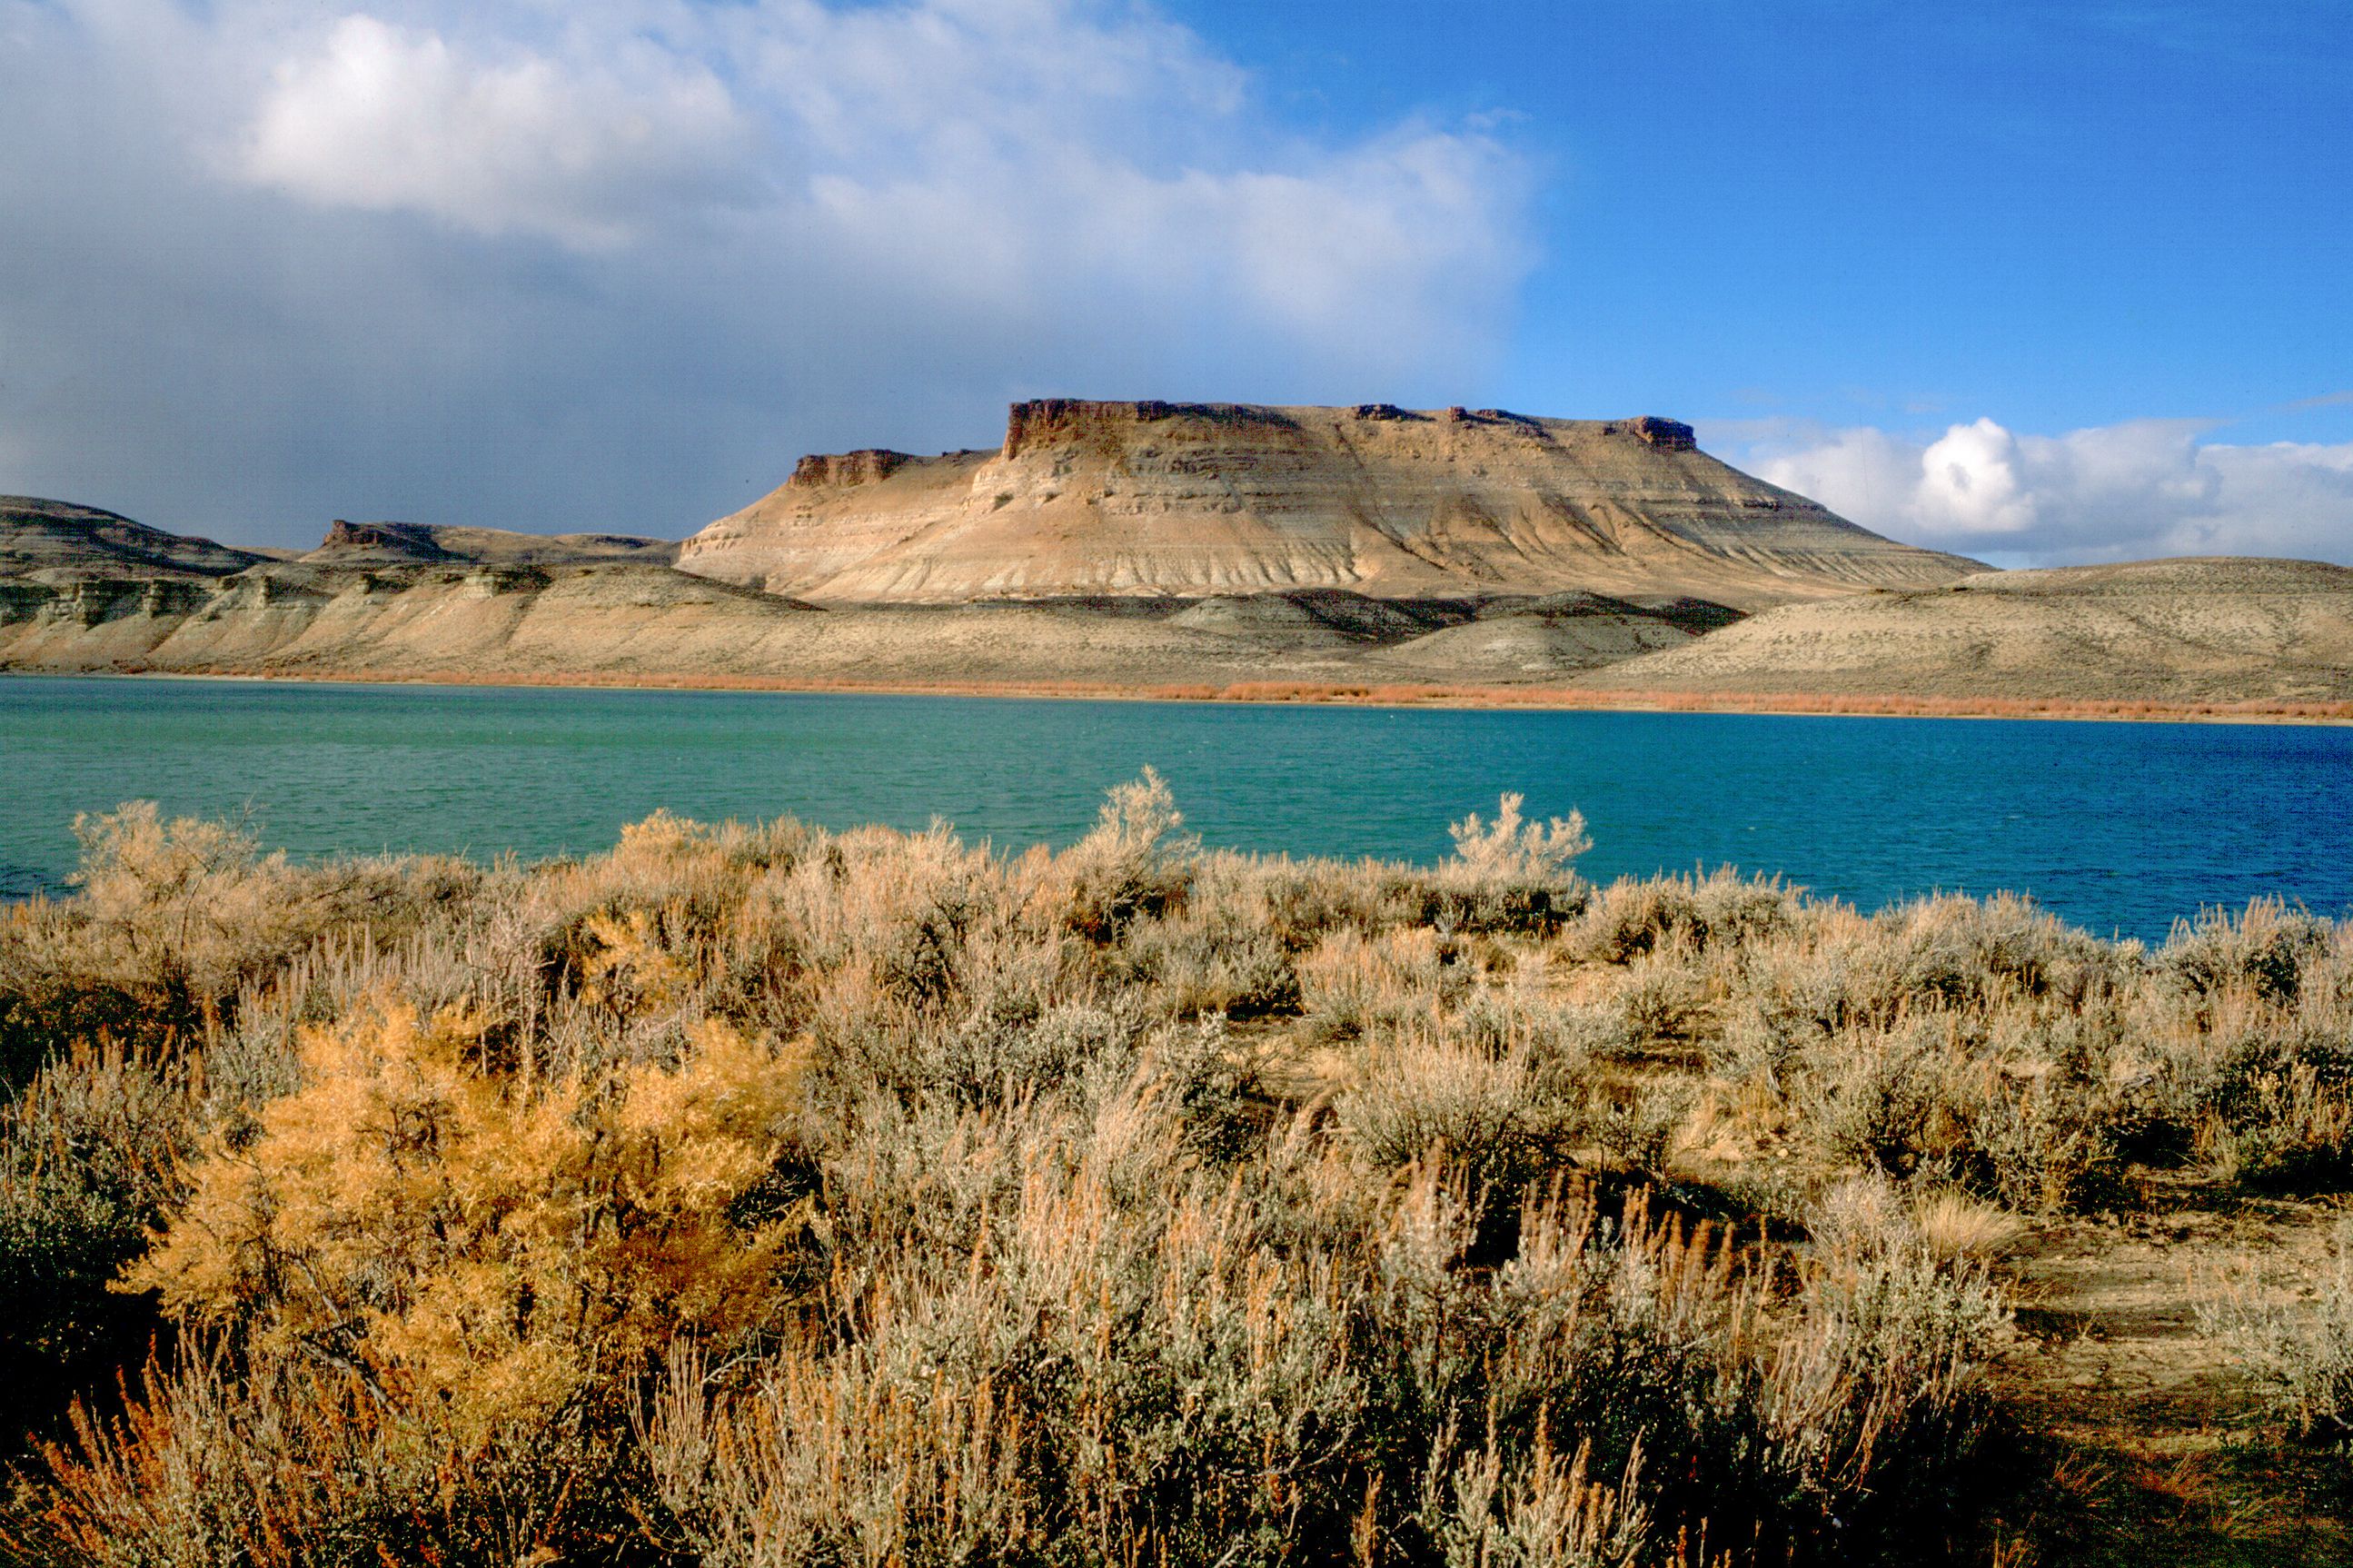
1969	482
392	117
2113	492
617	262
1009	155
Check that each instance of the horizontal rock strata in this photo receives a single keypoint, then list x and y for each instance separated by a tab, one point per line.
1153	498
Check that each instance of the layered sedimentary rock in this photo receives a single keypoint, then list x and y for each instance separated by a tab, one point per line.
1156	498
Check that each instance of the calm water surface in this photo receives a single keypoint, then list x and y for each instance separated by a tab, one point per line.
2119	827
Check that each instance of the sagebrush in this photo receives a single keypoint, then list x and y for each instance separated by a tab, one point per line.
764	1195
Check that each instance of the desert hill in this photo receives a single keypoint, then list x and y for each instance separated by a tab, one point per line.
2192	629
57	542
1158	499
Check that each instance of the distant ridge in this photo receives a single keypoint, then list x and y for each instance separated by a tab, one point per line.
1149	498
57	541
419	544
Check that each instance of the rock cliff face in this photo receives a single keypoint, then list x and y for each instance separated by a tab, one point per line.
1155	498
819	469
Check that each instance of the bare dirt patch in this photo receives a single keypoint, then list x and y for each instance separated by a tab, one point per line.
2148	1431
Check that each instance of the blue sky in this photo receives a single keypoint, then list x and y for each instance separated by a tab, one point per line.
2058	215
2041	283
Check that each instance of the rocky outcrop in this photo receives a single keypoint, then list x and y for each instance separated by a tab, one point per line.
862	467
1089	498
622	620
412	599
1055	421
397	540
93	601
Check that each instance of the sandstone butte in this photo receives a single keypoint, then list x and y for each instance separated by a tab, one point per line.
1190	499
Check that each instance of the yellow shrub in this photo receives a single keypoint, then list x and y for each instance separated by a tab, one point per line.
632	965
494	1247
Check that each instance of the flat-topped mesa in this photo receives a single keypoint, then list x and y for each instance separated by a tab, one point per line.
408	540
1147	497
863	466
442	545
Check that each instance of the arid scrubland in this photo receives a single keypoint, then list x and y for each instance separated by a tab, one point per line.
766	1195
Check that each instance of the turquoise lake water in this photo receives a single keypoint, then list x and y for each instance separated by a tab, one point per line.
2118	827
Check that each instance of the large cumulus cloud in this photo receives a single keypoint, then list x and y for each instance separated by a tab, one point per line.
614	263
2113	492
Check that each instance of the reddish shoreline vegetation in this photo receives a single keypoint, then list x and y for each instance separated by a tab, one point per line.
757	1195
1532	697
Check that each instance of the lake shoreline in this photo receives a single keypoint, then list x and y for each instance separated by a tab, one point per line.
2117	826
1275	693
